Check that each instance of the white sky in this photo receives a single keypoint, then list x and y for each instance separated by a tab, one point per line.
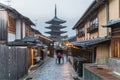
40	11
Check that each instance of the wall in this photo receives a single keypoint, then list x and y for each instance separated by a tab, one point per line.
93	35
102	21
114	64
87	35
102	54
11	37
114	9
11	23
23	29
13	62
18	29
81	38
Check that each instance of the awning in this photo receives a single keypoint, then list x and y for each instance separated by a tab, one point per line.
29	39
25	42
38	43
91	42
17	43
112	23
81	44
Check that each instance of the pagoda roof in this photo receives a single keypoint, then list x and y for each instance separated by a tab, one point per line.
55	32
56	27
58	38
56	20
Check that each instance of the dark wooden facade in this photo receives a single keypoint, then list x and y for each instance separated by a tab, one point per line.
3	25
115	41
87	54
29	31
13	62
11	25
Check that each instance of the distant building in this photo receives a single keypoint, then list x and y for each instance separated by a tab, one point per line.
55	27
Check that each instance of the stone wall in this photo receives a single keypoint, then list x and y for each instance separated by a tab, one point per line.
114	64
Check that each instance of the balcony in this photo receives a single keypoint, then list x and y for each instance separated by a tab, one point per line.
92	29
80	34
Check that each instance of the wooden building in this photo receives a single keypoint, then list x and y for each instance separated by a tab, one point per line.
14	26
100	41
16	30
89	30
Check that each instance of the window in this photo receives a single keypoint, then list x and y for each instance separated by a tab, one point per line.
81	32
94	23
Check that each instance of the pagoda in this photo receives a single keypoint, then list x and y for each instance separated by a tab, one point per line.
55	27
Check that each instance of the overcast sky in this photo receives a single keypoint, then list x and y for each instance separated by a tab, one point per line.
40	11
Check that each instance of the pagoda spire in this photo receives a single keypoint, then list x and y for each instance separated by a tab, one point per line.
55	27
55	11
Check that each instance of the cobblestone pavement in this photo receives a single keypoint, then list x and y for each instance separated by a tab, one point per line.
52	71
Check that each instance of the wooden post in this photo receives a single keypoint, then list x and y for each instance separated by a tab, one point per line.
93	55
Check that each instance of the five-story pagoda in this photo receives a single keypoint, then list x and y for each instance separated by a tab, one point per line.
55	27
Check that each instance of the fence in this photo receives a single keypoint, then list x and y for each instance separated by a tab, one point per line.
13	62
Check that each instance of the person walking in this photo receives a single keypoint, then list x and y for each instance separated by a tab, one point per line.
59	57
62	56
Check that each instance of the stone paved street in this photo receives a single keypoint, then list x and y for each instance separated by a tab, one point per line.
52	71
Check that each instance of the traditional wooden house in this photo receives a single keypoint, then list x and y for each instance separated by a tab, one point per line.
21	43
14	26
16	30
49	43
90	33
12	31
41	46
93	37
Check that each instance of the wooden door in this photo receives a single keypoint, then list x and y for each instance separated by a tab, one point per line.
116	47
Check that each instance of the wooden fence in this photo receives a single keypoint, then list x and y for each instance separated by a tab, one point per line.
13	62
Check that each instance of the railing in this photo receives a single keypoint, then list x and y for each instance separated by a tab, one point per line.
92	29
80	34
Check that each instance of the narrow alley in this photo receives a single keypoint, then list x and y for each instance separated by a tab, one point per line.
51	70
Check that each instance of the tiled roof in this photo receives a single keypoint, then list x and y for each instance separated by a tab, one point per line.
17	43
72	38
91	42
95	5
29	39
112	22
18	15
55	20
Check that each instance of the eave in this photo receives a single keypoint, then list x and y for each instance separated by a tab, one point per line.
93	7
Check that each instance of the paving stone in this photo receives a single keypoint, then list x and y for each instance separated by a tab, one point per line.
53	71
